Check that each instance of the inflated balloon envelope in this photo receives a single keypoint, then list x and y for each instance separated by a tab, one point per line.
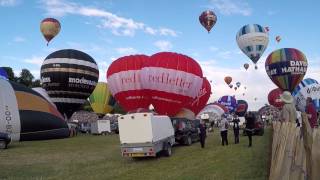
286	67
26	115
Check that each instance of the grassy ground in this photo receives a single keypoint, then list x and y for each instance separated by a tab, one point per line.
98	157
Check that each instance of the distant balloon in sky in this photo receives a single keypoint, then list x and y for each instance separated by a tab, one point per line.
253	40
238	84
286	67
49	28
69	76
255	99
278	39
235	88
228	79
230	86
246	66
208	19
267	28
307	88
3	73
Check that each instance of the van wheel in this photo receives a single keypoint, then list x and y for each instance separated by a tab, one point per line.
168	150
3	145
188	141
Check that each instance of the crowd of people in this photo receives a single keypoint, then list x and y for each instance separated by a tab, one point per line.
288	113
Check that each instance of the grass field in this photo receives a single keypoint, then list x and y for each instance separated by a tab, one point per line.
98	157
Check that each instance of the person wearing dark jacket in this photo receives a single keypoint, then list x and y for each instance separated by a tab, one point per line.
236	129
202	133
250	119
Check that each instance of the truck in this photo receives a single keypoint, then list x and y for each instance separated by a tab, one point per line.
145	135
101	127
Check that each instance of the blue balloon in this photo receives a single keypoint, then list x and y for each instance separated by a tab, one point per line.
229	101
3	74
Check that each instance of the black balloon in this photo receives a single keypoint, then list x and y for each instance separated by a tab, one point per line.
69	76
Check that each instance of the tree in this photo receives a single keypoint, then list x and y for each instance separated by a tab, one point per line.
10	74
25	78
36	83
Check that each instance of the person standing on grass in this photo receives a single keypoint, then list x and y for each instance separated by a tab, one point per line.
236	129
311	113
224	125
250	119
202	133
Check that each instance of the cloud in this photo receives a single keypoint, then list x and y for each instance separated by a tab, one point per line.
163	45
8	2
19	39
119	26
126	51
35	60
232	7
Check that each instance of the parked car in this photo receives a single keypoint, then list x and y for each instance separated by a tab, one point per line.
185	130
5	139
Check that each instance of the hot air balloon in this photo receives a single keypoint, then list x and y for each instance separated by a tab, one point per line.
246	66
243	94
255	99
49	28
124	80
44	94
253	40
26	115
198	103
286	67
238	84
172	81
101	99
235	88
229	101
242	108
278	39
3	74
245	87
208	19
230	86
69	76
274	98
307	88
228	79
213	109
267	28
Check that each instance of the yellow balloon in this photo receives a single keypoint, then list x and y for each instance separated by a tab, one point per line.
101	99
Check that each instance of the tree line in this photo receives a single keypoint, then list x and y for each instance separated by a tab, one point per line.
25	77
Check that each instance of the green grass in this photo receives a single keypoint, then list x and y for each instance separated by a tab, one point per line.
98	157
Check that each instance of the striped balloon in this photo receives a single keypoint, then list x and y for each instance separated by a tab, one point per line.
229	101
286	67
253	40
26	115
69	76
49	28
101	99
307	88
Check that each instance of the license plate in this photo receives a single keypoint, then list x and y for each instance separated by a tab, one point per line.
137	154
137	149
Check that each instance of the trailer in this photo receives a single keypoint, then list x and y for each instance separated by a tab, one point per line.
101	127
145	135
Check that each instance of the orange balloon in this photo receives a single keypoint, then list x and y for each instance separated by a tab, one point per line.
228	79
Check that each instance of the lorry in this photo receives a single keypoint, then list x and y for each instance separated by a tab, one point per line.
101	127
145	135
